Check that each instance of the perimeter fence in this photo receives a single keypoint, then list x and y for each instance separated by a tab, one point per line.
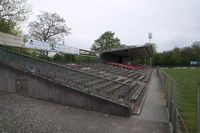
182	103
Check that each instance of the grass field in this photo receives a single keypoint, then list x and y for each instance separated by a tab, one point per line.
186	94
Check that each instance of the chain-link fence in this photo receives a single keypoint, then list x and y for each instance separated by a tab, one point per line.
182	102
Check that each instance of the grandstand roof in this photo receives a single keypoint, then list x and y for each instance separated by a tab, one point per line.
144	51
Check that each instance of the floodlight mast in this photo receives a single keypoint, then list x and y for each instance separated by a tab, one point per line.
150	35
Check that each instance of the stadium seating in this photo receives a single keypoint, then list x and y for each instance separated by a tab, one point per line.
119	82
125	66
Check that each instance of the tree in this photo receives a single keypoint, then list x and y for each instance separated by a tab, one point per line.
12	13
58	58
106	41
178	56
14	10
196	48
49	27
6	26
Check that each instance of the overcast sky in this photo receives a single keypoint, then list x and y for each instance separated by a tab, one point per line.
172	22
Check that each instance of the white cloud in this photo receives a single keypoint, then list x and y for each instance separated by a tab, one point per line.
171	21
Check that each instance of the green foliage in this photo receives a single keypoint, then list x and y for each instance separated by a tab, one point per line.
12	13
6	26
178	56
57	58
69	58
9	27
106	41
44	57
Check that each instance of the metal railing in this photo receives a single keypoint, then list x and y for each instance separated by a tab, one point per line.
179	111
63	74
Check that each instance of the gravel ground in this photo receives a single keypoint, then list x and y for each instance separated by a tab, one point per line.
20	114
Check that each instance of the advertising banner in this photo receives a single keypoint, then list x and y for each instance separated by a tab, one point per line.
71	50
58	47
35	44
17	41
53	47
193	63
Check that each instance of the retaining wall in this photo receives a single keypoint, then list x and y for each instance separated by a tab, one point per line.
14	80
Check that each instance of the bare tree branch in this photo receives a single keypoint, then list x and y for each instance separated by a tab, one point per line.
48	27
14	10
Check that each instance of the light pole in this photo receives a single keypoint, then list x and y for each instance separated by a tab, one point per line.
150	35
63	39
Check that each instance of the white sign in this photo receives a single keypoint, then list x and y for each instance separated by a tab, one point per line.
71	50
35	44
58	47
17	41
54	47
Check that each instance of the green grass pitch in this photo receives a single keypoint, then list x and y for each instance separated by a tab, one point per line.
186	93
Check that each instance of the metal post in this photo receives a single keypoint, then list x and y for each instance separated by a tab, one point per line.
176	123
145	62
198	108
150	62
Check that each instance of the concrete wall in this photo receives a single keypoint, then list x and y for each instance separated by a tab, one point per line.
41	88
11	40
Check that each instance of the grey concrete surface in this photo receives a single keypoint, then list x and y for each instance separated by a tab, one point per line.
20	114
13	80
154	106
